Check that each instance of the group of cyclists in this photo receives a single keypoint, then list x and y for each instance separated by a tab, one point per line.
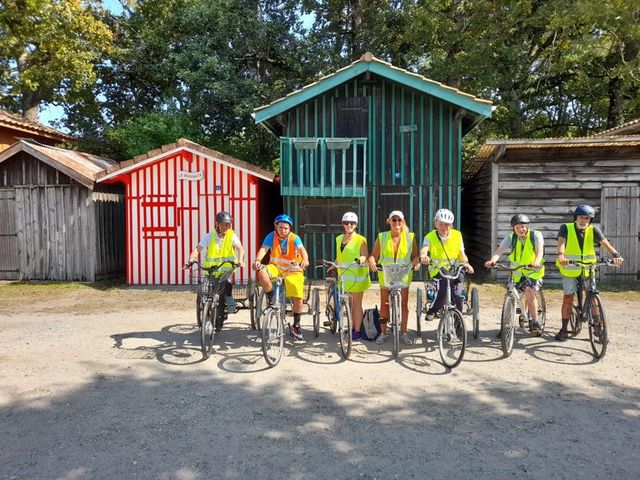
441	248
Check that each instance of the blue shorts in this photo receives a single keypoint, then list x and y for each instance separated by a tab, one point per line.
569	285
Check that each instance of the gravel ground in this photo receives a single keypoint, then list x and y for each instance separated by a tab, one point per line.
108	382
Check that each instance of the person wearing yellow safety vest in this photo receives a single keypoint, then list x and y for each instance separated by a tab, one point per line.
576	242
525	248
220	245
352	246
288	258
395	246
441	247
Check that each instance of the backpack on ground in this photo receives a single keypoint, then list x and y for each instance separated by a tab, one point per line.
370	328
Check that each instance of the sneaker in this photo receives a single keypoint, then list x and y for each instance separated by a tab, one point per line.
327	323
296	332
535	326
355	335
562	335
430	317
406	340
522	321
381	338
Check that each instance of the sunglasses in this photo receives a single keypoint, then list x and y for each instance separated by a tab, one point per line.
395	220
349	223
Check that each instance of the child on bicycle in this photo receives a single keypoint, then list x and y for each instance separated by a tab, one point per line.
525	247
395	246
444	245
221	244
288	258
576	242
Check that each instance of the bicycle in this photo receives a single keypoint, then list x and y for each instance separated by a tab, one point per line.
272	321
513	297
338	302
209	300
590	310
393	275
426	297
452	333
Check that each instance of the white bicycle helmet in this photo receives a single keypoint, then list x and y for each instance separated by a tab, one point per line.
444	215
350	217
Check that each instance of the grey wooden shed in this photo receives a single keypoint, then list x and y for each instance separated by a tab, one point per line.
546	179
55	222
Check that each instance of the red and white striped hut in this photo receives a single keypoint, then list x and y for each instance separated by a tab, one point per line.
172	195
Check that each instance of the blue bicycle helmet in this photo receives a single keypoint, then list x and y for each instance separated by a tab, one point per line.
587	210
283	217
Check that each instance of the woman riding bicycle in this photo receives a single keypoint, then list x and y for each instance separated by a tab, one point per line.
349	247
440	248
288	259
395	246
525	248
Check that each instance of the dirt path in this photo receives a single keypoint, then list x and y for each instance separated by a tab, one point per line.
105	384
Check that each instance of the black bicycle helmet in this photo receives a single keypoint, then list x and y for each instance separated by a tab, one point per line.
224	217
587	210
519	218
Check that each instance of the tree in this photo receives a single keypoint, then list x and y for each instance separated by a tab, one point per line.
49	51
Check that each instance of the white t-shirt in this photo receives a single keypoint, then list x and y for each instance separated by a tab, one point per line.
204	243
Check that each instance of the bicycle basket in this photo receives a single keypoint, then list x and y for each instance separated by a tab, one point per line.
393	274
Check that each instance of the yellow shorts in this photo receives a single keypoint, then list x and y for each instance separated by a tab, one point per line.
293	282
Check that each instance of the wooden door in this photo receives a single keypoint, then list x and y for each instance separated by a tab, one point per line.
395	198
9	261
621	225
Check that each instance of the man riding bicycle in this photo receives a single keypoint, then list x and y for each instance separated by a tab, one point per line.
525	248
288	258
440	248
222	245
576	242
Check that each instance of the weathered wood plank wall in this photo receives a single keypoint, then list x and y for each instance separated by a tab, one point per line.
548	189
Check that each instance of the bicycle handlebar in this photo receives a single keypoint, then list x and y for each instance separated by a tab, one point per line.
211	269
502	266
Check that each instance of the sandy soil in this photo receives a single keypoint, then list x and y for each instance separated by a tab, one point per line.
104	383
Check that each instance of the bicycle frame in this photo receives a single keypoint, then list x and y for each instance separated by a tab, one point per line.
394	272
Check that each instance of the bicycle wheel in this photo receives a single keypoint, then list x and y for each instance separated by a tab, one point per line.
419	307
252	305
261	306
395	322
575	321
199	309
330	311
315	311
272	336
507	325
475	311
542	311
598	329
452	337
206	330
345	329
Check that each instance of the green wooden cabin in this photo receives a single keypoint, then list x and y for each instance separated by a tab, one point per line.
370	138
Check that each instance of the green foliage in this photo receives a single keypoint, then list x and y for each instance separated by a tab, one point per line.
49	51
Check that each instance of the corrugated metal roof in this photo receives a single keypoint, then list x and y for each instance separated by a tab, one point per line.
82	167
491	146
368	57
150	157
632	126
14	121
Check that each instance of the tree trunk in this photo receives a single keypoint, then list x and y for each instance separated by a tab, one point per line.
615	96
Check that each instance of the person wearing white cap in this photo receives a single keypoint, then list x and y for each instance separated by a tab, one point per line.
351	246
444	244
395	246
